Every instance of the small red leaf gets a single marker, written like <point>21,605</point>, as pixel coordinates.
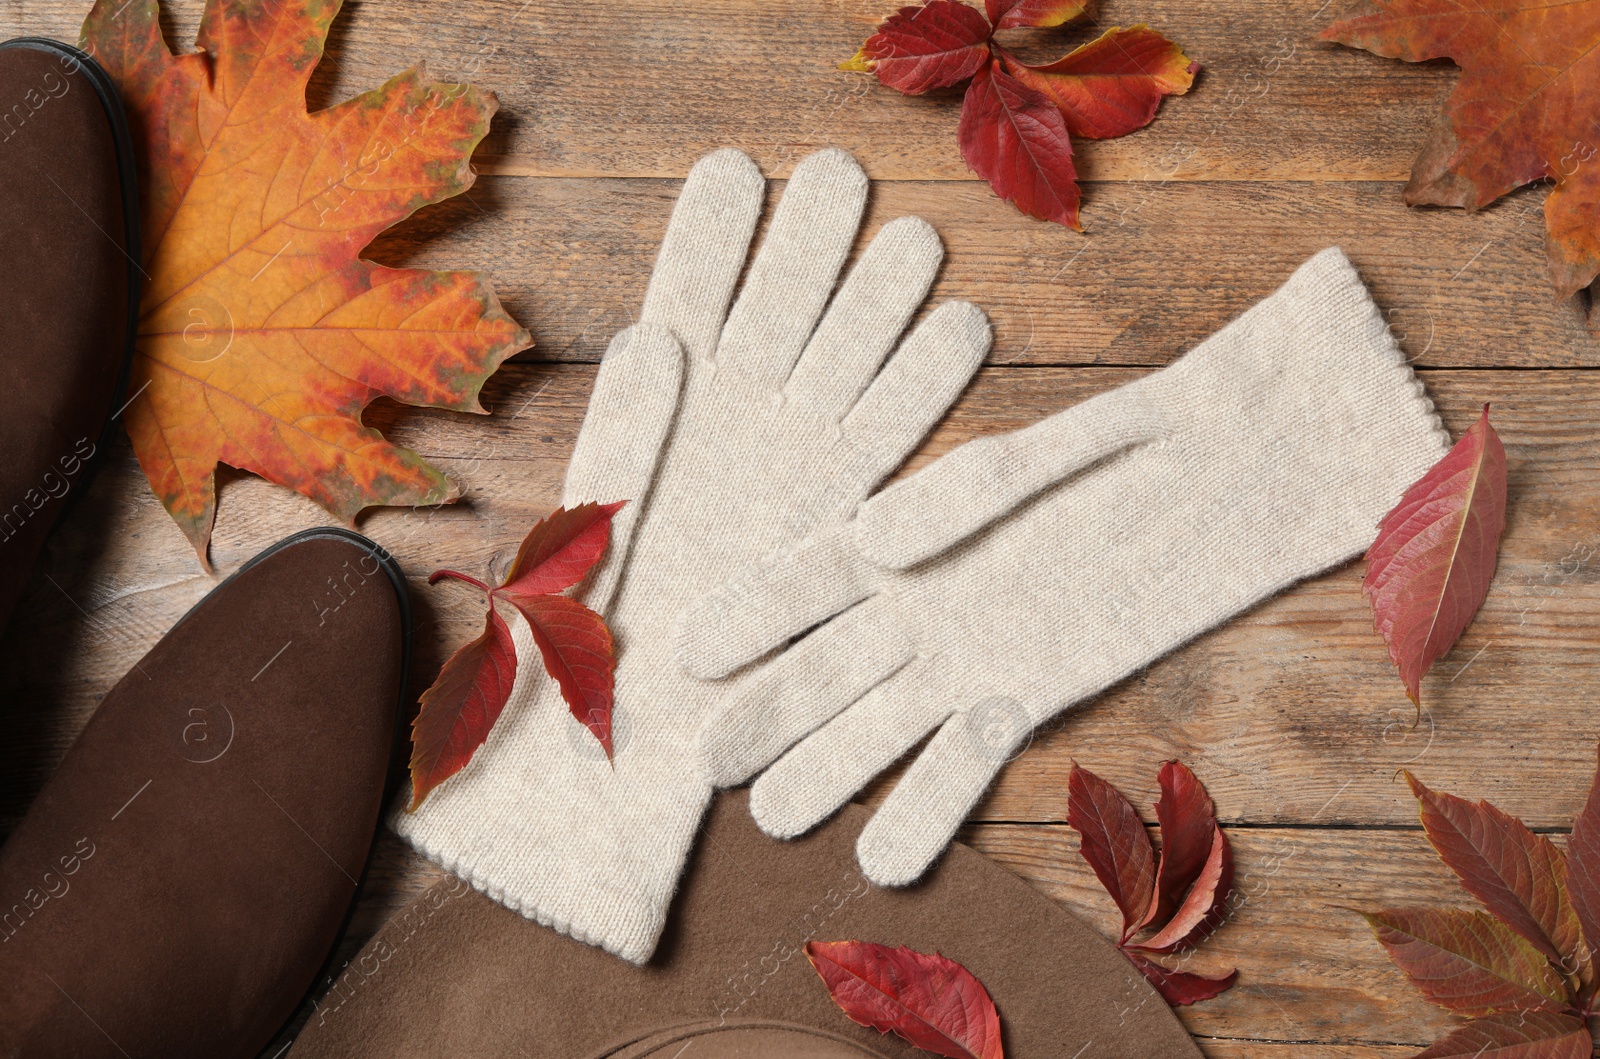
<point>1016,139</point>
<point>918,49</point>
<point>1114,843</point>
<point>560,550</point>
<point>1178,988</point>
<point>1188,819</point>
<point>929,1000</point>
<point>457,713</point>
<point>1468,962</point>
<point>1112,85</point>
<point>1583,865</point>
<point>1428,571</point>
<point>1518,1035</point>
<point>578,654</point>
<point>1518,875</point>
<point>1201,911</point>
<point>1016,14</point>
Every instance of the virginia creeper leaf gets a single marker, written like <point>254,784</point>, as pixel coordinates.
<point>1522,1035</point>
<point>1429,569</point>
<point>1188,819</point>
<point>1201,911</point>
<point>262,333</point>
<point>918,49</point>
<point>930,1001</point>
<point>462,705</point>
<point>559,551</point>
<point>1013,14</point>
<point>1114,842</point>
<point>1519,876</point>
<point>1016,139</point>
<point>1112,85</point>
<point>1468,962</point>
<point>1178,988</point>
<point>1583,866</point>
<point>1524,109</point>
<point>578,654</point>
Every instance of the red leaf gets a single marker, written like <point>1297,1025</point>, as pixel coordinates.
<point>1518,875</point>
<point>1201,911</point>
<point>918,49</point>
<point>558,552</point>
<point>1178,988</point>
<point>1187,818</point>
<point>578,654</point>
<point>1519,1035</point>
<point>1112,85</point>
<point>463,704</point>
<point>931,1001</point>
<point>1583,865</point>
<point>1114,843</point>
<point>1016,139</point>
<point>1015,14</point>
<point>1468,962</point>
<point>1428,571</point>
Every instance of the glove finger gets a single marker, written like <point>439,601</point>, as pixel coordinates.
<point>766,606</point>
<point>921,816</point>
<point>828,768</point>
<point>803,688</point>
<point>868,316</point>
<point>812,231</point>
<point>919,384</point>
<point>704,250</point>
<point>635,398</point>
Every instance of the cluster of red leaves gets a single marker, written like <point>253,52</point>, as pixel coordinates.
<point>461,707</point>
<point>1429,569</point>
<point>1524,970</point>
<point>1018,121</point>
<point>1168,905</point>
<point>932,1002</point>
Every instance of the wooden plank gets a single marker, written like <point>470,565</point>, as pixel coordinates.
<point>1291,714</point>
<point>643,89</point>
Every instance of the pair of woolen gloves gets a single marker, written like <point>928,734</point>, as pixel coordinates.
<point>1014,577</point>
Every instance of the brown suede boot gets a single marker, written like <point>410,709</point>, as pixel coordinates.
<point>185,874</point>
<point>69,287</point>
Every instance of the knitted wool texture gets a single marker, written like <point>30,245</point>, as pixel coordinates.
<point>732,433</point>
<point>1026,572</point>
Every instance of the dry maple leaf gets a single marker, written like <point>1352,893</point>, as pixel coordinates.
<point>461,708</point>
<point>262,333</point>
<point>1524,110</point>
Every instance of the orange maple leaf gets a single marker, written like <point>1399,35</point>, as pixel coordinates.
<point>1525,109</point>
<point>262,333</point>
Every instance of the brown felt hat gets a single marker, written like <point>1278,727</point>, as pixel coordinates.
<point>457,975</point>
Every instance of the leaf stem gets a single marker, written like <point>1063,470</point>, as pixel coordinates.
<point>439,575</point>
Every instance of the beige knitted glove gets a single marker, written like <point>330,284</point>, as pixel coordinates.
<point>1026,572</point>
<point>782,423</point>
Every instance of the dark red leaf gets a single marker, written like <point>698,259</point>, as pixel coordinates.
<point>1428,571</point>
<point>1583,866</point>
<point>1202,910</point>
<point>1112,85</point>
<point>929,1000</point>
<point>1518,1035</point>
<point>559,551</point>
<point>1181,987</point>
<point>463,704</point>
<point>1114,843</point>
<point>1188,819</point>
<point>918,49</point>
<point>1015,14</point>
<point>1017,140</point>
<point>578,654</point>
<point>1518,875</point>
<point>1469,962</point>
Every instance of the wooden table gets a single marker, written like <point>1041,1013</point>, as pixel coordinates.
<point>1291,715</point>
